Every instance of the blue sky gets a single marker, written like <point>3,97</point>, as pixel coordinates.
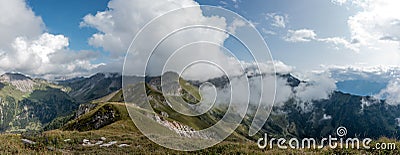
<point>337,39</point>
<point>322,16</point>
<point>307,35</point>
<point>63,17</point>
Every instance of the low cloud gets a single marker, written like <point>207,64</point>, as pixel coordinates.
<point>370,73</point>
<point>317,87</point>
<point>391,93</point>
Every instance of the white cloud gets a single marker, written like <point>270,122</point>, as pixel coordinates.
<point>326,117</point>
<point>379,73</point>
<point>17,19</point>
<point>47,54</point>
<point>270,67</point>
<point>236,3</point>
<point>117,28</point>
<point>318,86</point>
<point>268,32</point>
<point>391,93</point>
<point>26,47</point>
<point>340,41</point>
<point>374,33</point>
<point>377,25</point>
<point>279,21</point>
<point>301,35</point>
<point>237,23</point>
<point>124,18</point>
<point>307,35</point>
<point>368,102</point>
<point>338,2</point>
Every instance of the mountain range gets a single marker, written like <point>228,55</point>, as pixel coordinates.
<point>95,102</point>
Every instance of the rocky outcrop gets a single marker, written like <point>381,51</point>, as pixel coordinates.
<point>84,108</point>
<point>21,82</point>
<point>181,129</point>
<point>96,119</point>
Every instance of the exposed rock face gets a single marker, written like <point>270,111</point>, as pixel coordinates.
<point>154,82</point>
<point>181,129</point>
<point>21,82</point>
<point>84,108</point>
<point>103,116</point>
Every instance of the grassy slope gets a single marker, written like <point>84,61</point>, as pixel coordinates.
<point>14,100</point>
<point>124,131</point>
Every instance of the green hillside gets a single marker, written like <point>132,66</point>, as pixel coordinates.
<point>129,140</point>
<point>29,104</point>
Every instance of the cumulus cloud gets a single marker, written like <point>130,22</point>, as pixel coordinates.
<point>17,20</point>
<point>117,28</point>
<point>123,19</point>
<point>177,52</point>
<point>26,47</point>
<point>376,26</point>
<point>391,93</point>
<point>374,31</point>
<point>301,35</point>
<point>48,54</point>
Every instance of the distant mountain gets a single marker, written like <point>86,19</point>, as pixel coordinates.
<point>361,87</point>
<point>21,82</point>
<point>29,104</point>
<point>363,80</point>
<point>363,116</point>
<point>86,89</point>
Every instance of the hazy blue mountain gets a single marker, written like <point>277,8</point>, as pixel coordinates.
<point>360,87</point>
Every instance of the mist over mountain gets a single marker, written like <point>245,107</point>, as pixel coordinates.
<point>378,81</point>
<point>295,113</point>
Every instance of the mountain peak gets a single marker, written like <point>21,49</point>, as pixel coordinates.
<point>20,81</point>
<point>8,77</point>
<point>107,75</point>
